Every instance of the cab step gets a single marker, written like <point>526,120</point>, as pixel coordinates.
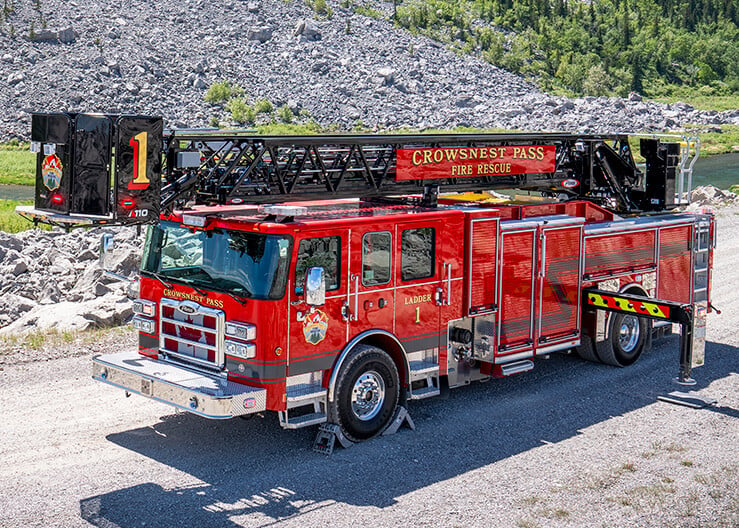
<point>304,420</point>
<point>420,369</point>
<point>302,393</point>
<point>424,378</point>
<point>425,392</point>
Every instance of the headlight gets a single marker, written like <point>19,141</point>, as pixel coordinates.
<point>143,325</point>
<point>242,350</point>
<point>143,307</point>
<point>243,331</point>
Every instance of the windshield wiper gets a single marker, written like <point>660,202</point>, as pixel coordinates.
<point>159,278</point>
<point>191,283</point>
<point>241,300</point>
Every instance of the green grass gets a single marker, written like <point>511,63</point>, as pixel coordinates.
<point>694,98</point>
<point>49,339</point>
<point>719,143</point>
<point>12,222</point>
<point>17,166</point>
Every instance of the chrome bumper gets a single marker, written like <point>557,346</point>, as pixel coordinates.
<point>206,395</point>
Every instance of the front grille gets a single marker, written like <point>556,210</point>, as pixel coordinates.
<point>192,333</point>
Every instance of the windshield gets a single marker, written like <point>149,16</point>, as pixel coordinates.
<point>245,264</point>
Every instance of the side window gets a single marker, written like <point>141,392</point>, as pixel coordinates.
<point>324,252</point>
<point>417,253</point>
<point>376,249</point>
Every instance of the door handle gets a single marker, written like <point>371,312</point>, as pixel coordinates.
<point>543,271</point>
<point>345,311</point>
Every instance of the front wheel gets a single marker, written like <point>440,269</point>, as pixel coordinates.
<point>366,393</point>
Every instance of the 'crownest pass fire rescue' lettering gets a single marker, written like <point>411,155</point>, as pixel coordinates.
<point>433,163</point>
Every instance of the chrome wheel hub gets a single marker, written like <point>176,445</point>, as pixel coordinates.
<point>368,395</point>
<point>628,333</point>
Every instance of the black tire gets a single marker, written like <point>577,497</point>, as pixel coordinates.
<point>366,393</point>
<point>628,338</point>
<point>586,349</point>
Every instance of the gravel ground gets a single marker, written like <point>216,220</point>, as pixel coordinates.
<point>568,444</point>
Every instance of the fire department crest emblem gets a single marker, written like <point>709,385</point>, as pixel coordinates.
<point>314,327</point>
<point>51,172</point>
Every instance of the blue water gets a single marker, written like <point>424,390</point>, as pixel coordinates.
<point>721,171</point>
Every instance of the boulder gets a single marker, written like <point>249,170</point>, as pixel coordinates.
<point>260,33</point>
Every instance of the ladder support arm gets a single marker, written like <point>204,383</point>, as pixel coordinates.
<point>640,306</point>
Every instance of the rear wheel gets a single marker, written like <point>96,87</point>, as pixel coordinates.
<point>628,338</point>
<point>366,393</point>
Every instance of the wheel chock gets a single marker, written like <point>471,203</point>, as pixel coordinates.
<point>401,417</point>
<point>326,438</point>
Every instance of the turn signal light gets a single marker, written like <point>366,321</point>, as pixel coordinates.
<point>243,331</point>
<point>143,325</point>
<point>143,307</point>
<point>245,351</point>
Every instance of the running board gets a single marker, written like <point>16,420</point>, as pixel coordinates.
<point>516,367</point>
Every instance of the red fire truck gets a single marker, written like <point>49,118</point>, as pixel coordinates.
<point>326,279</point>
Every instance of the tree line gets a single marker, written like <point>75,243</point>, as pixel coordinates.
<point>596,47</point>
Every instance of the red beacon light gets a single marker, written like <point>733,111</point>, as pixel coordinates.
<point>128,203</point>
<point>57,198</point>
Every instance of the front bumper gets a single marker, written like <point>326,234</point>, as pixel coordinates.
<point>200,393</point>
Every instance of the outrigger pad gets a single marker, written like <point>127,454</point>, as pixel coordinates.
<point>688,399</point>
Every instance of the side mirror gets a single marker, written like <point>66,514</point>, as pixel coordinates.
<point>315,286</point>
<point>107,263</point>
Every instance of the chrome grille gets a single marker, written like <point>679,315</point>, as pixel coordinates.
<point>191,332</point>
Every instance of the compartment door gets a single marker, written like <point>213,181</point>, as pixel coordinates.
<point>559,284</point>
<point>138,169</point>
<point>517,287</point>
<point>92,153</point>
<point>53,161</point>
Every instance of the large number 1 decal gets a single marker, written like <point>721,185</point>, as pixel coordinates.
<point>140,179</point>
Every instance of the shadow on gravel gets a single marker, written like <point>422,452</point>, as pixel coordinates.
<point>255,473</point>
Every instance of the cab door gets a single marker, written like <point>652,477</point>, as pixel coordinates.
<point>371,302</point>
<point>419,277</point>
<point>318,333</point>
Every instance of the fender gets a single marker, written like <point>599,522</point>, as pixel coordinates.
<point>348,348</point>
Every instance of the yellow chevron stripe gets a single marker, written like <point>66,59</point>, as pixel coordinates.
<point>625,305</point>
<point>656,310</point>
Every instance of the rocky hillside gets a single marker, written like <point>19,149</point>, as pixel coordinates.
<point>160,57</point>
